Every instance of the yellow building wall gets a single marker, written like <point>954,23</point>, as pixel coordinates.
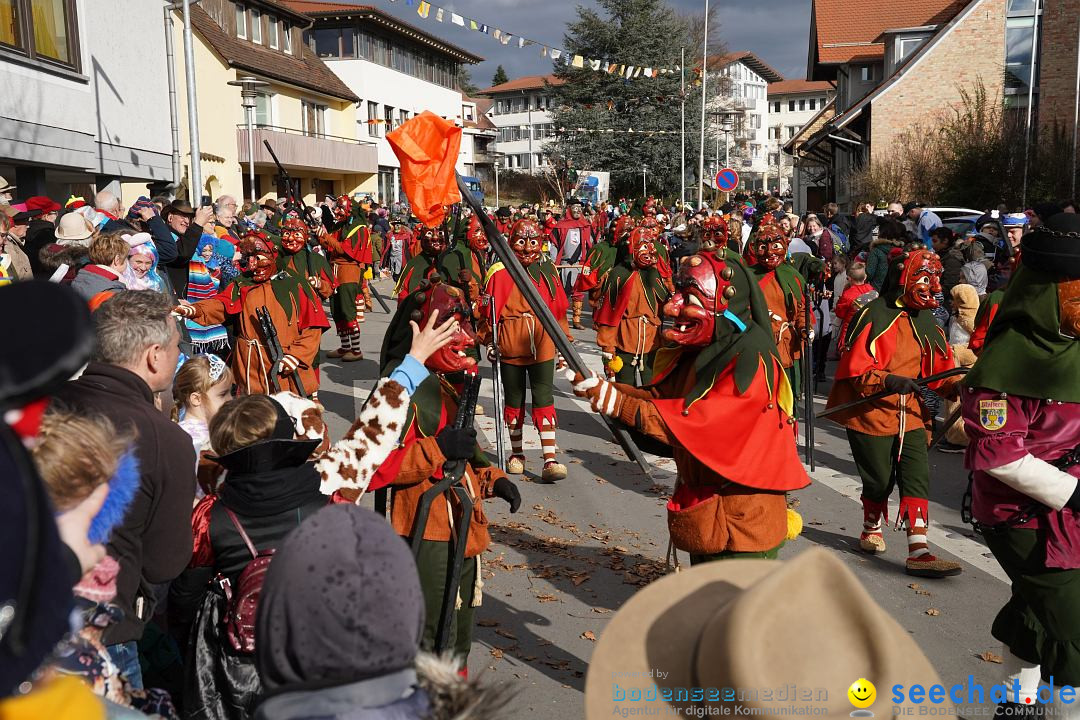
<point>220,113</point>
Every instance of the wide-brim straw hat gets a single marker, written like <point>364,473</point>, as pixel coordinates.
<point>806,625</point>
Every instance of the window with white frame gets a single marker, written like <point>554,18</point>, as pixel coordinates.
<point>314,118</point>
<point>906,47</point>
<point>256,26</point>
<point>264,114</point>
<point>286,35</point>
<point>241,21</point>
<point>373,119</point>
<point>272,32</point>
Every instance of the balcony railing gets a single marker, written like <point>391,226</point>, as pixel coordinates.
<point>312,151</point>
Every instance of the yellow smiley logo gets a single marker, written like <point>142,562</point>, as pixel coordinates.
<point>862,693</point>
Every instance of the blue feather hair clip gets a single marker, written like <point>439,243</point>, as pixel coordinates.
<point>122,488</point>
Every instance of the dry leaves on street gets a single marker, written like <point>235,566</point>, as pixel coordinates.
<point>545,598</point>
<point>989,657</point>
<point>496,653</point>
<point>934,612</point>
<point>506,634</point>
<point>588,635</point>
<point>487,623</point>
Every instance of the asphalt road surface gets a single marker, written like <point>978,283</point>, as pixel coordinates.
<point>578,549</point>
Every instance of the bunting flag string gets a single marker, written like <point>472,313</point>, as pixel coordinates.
<point>430,11</point>
<point>612,131</point>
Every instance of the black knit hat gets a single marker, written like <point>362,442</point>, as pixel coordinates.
<point>341,603</point>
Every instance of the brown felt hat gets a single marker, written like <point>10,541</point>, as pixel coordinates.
<point>798,632</point>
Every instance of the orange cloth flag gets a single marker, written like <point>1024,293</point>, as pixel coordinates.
<point>427,147</point>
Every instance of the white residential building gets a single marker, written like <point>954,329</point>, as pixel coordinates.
<point>85,96</point>
<point>738,89</point>
<point>396,69</point>
<point>792,104</point>
<point>519,110</point>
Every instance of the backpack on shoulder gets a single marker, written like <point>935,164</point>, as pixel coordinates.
<point>243,600</point>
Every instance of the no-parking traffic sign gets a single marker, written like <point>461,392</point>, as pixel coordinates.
<point>727,180</point>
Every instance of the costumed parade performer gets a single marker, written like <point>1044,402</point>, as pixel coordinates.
<point>573,237</point>
<point>891,343</point>
<point>1021,405</point>
<point>525,349</point>
<point>628,318</point>
<point>601,259</point>
<point>783,288</point>
<point>297,258</point>
<point>719,370</point>
<point>347,244</point>
<point>429,440</point>
<point>295,311</point>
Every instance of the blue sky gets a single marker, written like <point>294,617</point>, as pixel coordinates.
<point>775,30</point>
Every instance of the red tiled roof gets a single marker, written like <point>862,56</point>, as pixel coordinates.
<point>845,30</point>
<point>317,8</point>
<point>302,68</point>
<point>528,82</point>
<point>762,68</point>
<point>483,122</point>
<point>791,87</point>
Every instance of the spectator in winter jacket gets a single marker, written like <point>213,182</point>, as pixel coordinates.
<point>848,304</point>
<point>135,357</point>
<point>185,229</point>
<point>108,259</point>
<point>338,627</point>
<point>272,486</point>
<point>975,270</point>
<point>924,221</point>
<point>891,234</point>
<point>831,215</point>
<point>947,246</point>
<point>109,213</point>
<point>862,232</point>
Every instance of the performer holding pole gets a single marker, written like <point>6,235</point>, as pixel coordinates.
<point>719,369</point>
<point>294,309</point>
<point>891,343</point>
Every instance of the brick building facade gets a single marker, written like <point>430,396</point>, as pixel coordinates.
<point>1058,61</point>
<point>959,60</point>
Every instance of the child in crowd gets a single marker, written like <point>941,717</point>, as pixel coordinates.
<point>200,388</point>
<point>141,272</point>
<point>849,302</point>
<point>108,258</point>
<point>965,305</point>
<point>77,457</point>
<point>274,483</point>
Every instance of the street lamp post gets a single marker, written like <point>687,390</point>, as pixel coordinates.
<point>644,191</point>
<point>704,97</point>
<point>248,93</point>
<point>497,156</point>
<point>195,182</point>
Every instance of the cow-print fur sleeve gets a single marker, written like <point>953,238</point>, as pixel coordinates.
<point>351,462</point>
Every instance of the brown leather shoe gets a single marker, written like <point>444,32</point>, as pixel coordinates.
<point>352,356</point>
<point>929,566</point>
